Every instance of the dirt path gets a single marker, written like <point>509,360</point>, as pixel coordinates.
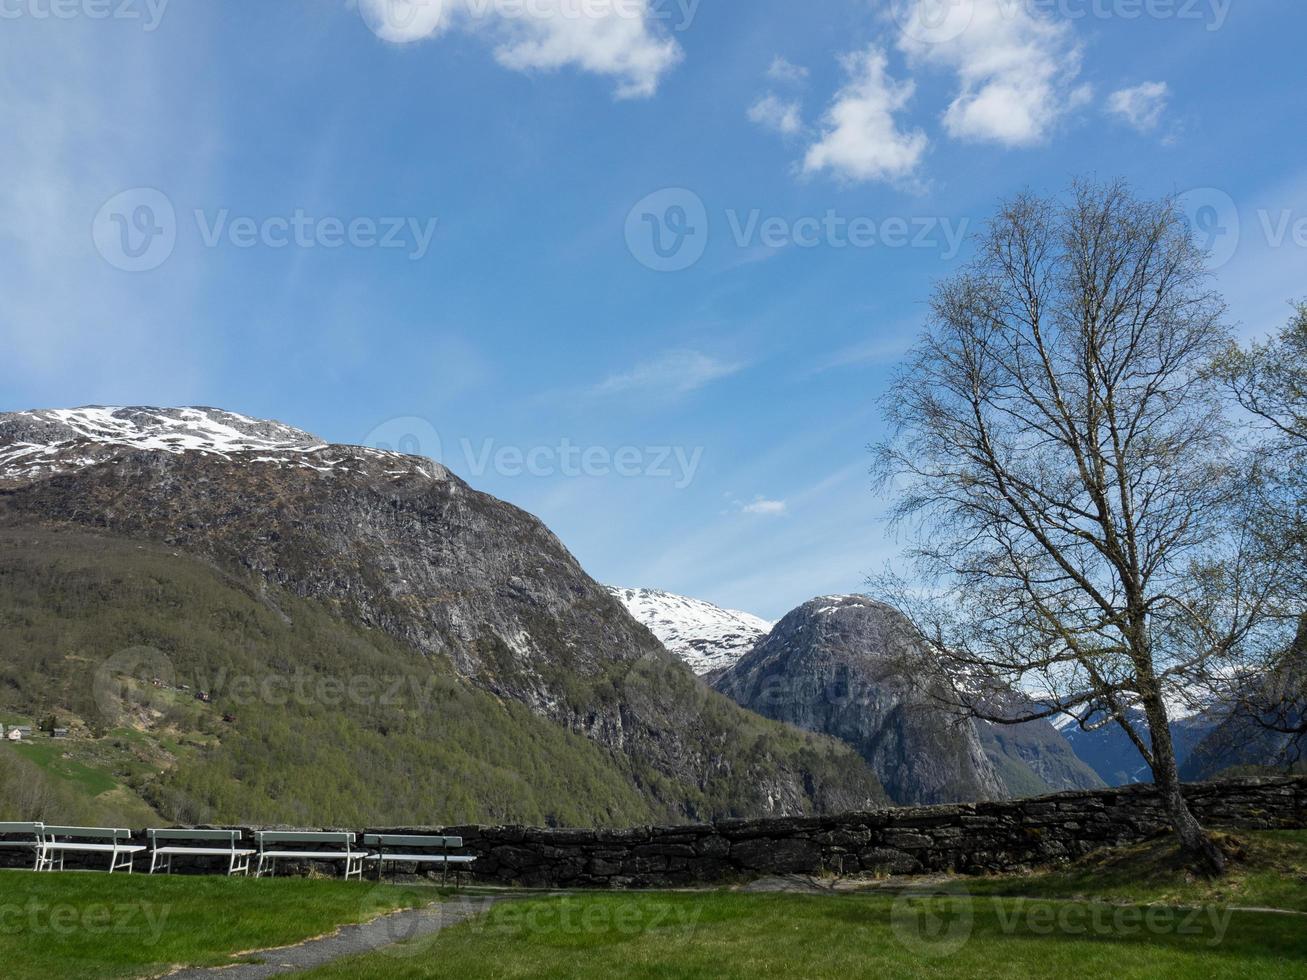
<point>386,933</point>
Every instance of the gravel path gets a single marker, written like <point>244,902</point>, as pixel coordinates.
<point>391,933</point>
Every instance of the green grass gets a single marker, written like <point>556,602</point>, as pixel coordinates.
<point>727,935</point>
<point>50,757</point>
<point>1268,869</point>
<point>100,926</point>
<point>1132,913</point>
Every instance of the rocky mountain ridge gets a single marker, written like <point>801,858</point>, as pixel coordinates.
<point>835,665</point>
<point>707,637</point>
<point>401,545</point>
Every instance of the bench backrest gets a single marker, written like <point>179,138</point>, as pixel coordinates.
<point>227,836</point>
<point>403,840</point>
<point>305,837</point>
<point>88,833</point>
<point>18,829</point>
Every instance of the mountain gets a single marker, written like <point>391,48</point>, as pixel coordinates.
<point>834,666</point>
<point>707,637</point>
<point>1111,754</point>
<point>399,568</point>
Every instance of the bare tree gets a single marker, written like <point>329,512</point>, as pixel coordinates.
<point>1269,382</point>
<point>1059,448</point>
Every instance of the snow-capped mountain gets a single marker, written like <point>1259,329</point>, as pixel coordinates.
<point>707,637</point>
<point>451,585</point>
<point>48,441</point>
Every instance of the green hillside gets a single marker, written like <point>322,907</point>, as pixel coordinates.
<point>331,722</point>
<point>311,719</point>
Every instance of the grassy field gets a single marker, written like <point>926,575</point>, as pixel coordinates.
<point>729,935</point>
<point>1133,913</point>
<point>1269,870</point>
<point>100,926</point>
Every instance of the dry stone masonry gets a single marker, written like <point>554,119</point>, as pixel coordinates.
<point>968,838</point>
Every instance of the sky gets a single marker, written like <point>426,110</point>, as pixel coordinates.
<point>641,267</point>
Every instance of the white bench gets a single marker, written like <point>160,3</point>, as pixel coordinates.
<point>270,855</point>
<point>58,842</point>
<point>28,836</point>
<point>202,843</point>
<point>417,850</point>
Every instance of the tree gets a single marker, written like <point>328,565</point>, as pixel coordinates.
<point>1060,450</point>
<point>1269,382</point>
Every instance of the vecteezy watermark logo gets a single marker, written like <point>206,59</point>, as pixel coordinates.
<point>667,231</point>
<point>136,231</point>
<point>144,921</point>
<point>396,934</point>
<point>409,434</point>
<point>402,20</point>
<point>148,12</point>
<point>122,682</point>
<point>942,21</point>
<point>1214,222</point>
<point>933,21</point>
<point>415,436</point>
<point>933,921</point>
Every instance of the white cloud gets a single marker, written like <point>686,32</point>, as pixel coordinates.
<point>1142,105</point>
<point>1016,68</point>
<point>860,139</point>
<point>764,508</point>
<point>784,71</point>
<point>673,374</point>
<point>782,115</point>
<point>614,38</point>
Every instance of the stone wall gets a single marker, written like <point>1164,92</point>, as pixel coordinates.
<point>969,838</point>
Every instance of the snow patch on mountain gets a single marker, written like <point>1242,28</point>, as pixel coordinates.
<point>706,637</point>
<point>46,442</point>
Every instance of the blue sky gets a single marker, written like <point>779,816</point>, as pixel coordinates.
<point>637,266</point>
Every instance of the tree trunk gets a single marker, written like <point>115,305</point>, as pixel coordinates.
<point>1194,840</point>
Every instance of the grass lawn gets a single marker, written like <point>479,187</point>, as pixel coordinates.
<point>49,755</point>
<point>1132,913</point>
<point>729,935</point>
<point>1163,921</point>
<point>94,926</point>
<point>1268,870</point>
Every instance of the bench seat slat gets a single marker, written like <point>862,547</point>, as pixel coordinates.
<point>212,851</point>
<point>94,848</point>
<point>427,858</point>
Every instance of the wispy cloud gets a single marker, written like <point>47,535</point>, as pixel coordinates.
<point>673,374</point>
<point>1141,106</point>
<point>765,508</point>
<point>785,72</point>
<point>861,140</point>
<point>1016,68</point>
<point>878,350</point>
<point>620,39</point>
<point>775,113</point>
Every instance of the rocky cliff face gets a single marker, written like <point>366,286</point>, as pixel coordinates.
<point>399,544</point>
<point>833,666</point>
<point>830,666</point>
